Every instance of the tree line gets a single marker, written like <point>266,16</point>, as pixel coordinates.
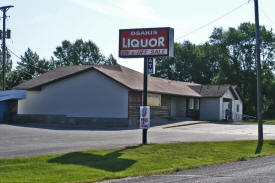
<point>30,65</point>
<point>228,57</point>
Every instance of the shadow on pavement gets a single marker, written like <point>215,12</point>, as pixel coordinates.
<point>68,127</point>
<point>187,124</point>
<point>52,126</point>
<point>109,162</point>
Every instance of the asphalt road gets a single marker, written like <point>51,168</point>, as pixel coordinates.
<point>17,141</point>
<point>260,170</point>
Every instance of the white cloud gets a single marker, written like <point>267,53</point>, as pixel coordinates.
<point>94,6</point>
<point>121,8</point>
<point>137,9</point>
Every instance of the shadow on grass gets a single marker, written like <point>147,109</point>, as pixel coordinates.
<point>259,147</point>
<point>109,162</point>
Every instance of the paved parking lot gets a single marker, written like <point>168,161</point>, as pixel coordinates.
<point>16,141</point>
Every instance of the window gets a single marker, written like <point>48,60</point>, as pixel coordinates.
<point>153,99</point>
<point>197,104</point>
<point>191,103</point>
<point>238,108</point>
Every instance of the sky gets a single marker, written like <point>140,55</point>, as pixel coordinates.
<point>42,25</point>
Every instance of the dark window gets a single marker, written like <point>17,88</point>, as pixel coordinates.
<point>197,104</point>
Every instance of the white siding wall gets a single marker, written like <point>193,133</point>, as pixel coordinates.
<point>235,115</point>
<point>209,109</point>
<point>89,94</point>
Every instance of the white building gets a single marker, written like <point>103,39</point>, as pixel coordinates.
<point>110,96</point>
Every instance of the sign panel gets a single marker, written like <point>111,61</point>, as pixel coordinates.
<point>151,65</point>
<point>146,42</point>
<point>144,117</point>
<point>154,99</point>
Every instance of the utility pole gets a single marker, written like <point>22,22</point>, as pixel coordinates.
<point>259,81</point>
<point>4,9</point>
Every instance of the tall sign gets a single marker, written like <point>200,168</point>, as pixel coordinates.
<point>146,43</point>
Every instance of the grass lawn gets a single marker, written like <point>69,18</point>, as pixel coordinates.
<point>94,165</point>
<point>266,121</point>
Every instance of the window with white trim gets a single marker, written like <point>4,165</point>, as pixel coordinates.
<point>191,103</point>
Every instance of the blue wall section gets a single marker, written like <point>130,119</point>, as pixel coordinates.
<point>6,113</point>
<point>3,109</point>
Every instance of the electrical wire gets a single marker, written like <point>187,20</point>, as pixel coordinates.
<point>211,22</point>
<point>265,14</point>
<point>20,59</point>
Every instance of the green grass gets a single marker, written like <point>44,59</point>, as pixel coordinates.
<point>266,121</point>
<point>94,165</point>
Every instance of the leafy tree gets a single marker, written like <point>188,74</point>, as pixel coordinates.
<point>111,60</point>
<point>80,53</point>
<point>30,66</point>
<point>191,63</point>
<point>241,67</point>
<point>228,58</point>
<point>178,67</point>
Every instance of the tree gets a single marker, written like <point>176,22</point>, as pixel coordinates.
<point>80,53</point>
<point>30,66</point>
<point>191,63</point>
<point>111,60</point>
<point>227,58</point>
<point>178,67</point>
<point>241,67</point>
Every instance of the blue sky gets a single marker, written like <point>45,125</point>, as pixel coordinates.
<point>43,24</point>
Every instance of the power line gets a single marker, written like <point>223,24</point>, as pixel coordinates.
<point>20,59</point>
<point>265,14</point>
<point>13,53</point>
<point>211,22</point>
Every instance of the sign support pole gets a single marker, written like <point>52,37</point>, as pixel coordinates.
<point>145,78</point>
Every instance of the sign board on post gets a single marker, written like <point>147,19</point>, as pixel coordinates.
<point>146,42</point>
<point>151,65</point>
<point>144,117</point>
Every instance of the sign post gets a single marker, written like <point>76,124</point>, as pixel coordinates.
<point>145,81</point>
<point>146,43</point>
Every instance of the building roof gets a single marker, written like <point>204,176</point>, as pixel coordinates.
<point>211,90</point>
<point>130,79</point>
<point>12,94</point>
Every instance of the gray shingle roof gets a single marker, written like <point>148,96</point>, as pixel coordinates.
<point>130,79</point>
<point>211,90</point>
<point>51,76</point>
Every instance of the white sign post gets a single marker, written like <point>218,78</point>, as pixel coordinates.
<point>144,117</point>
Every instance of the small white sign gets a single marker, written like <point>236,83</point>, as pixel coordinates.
<point>151,65</point>
<point>144,117</point>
